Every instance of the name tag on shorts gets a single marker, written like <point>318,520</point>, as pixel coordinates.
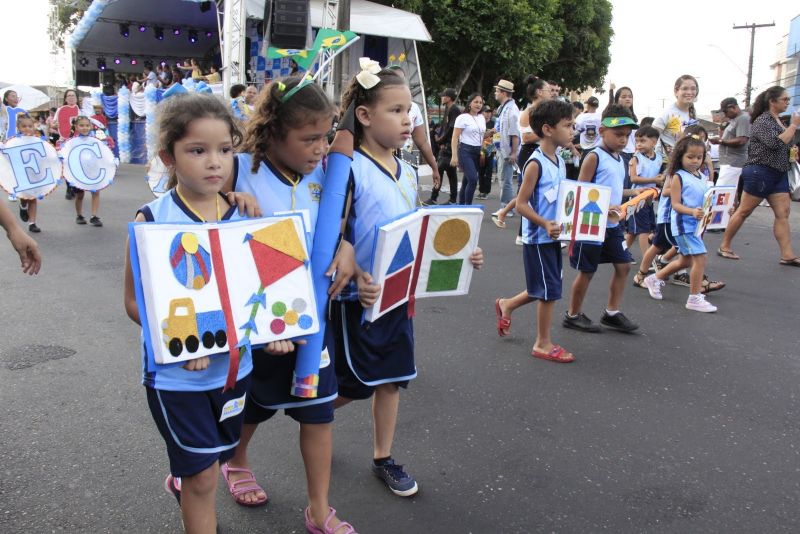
<point>232,408</point>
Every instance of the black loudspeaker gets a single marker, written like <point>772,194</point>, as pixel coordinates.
<point>107,77</point>
<point>290,20</point>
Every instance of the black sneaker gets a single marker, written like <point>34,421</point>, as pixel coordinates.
<point>430,202</point>
<point>681,279</point>
<point>618,322</point>
<point>94,220</point>
<point>33,228</point>
<point>400,482</point>
<point>23,210</point>
<point>450,202</point>
<point>80,219</point>
<point>580,322</point>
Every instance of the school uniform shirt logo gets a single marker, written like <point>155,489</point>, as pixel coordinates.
<point>316,191</point>
<point>232,408</point>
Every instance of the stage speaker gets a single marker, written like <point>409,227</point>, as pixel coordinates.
<point>290,20</point>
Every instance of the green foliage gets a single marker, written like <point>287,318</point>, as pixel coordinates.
<point>476,42</point>
<point>64,15</point>
<point>585,53</point>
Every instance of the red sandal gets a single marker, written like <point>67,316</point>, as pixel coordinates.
<point>556,354</point>
<point>503,323</point>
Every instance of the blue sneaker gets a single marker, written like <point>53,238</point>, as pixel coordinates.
<point>400,482</point>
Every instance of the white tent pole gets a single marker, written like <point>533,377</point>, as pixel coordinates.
<point>233,44</point>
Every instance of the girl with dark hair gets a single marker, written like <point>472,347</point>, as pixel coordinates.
<point>468,134</point>
<point>10,112</point>
<point>377,359</point>
<point>65,114</point>
<point>281,165</point>
<point>687,189</point>
<point>198,137</point>
<point>766,172</point>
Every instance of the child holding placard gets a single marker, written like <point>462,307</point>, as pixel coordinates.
<point>82,127</point>
<point>199,422</point>
<point>604,165</point>
<point>537,204</point>
<point>378,358</point>
<point>280,164</point>
<point>27,208</point>
<point>687,189</point>
<point>645,171</point>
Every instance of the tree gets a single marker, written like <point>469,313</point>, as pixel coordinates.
<point>64,15</point>
<point>476,42</point>
<point>585,53</point>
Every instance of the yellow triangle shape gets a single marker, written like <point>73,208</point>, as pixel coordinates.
<point>282,236</point>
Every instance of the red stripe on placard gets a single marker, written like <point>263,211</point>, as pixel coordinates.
<point>417,264</point>
<point>575,220</point>
<point>224,298</point>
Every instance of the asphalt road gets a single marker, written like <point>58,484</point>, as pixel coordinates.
<point>688,426</point>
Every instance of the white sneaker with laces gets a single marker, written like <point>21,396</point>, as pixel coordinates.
<point>653,286</point>
<point>700,304</point>
<point>519,241</point>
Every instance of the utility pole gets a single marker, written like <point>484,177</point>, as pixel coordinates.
<point>752,27</point>
<point>342,63</point>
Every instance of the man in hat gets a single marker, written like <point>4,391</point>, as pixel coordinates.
<point>506,138</point>
<point>733,142</point>
<point>443,137</point>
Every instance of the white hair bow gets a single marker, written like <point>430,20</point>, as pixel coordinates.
<point>368,78</point>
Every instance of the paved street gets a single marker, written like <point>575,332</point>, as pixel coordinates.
<point>689,426</point>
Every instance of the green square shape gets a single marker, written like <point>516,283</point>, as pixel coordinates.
<point>444,275</point>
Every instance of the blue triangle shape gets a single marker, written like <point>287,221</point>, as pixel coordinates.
<point>403,256</point>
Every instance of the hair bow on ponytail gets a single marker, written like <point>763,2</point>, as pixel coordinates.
<point>368,78</point>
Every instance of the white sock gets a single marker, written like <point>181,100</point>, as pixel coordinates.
<point>612,313</point>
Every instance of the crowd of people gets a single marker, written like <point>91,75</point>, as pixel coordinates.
<point>269,159</point>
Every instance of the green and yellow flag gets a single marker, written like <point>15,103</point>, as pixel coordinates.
<point>304,58</point>
<point>332,39</point>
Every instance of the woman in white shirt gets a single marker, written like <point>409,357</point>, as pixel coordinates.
<point>468,134</point>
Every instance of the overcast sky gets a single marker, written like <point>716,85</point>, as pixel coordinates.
<point>654,43</point>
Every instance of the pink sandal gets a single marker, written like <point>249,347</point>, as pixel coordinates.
<point>245,485</point>
<point>314,529</point>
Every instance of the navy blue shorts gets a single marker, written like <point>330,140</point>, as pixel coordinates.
<point>543,265</point>
<point>762,181</point>
<point>663,238</point>
<point>271,383</point>
<point>311,414</point>
<point>643,221</point>
<point>587,256</point>
<point>371,354</point>
<point>189,422</point>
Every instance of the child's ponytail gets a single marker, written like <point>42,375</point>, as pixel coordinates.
<point>282,105</point>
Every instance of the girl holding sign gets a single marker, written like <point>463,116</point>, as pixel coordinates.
<point>200,423</point>
<point>82,127</point>
<point>27,208</point>
<point>378,358</point>
<point>281,165</point>
<point>687,188</point>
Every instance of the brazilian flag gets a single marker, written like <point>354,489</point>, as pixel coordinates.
<point>304,58</point>
<point>328,39</point>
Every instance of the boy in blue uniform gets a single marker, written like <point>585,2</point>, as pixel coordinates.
<point>604,166</point>
<point>645,172</point>
<point>537,204</point>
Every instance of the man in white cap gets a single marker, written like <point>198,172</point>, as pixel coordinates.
<point>506,138</point>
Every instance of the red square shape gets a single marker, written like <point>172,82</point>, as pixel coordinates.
<point>395,288</point>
